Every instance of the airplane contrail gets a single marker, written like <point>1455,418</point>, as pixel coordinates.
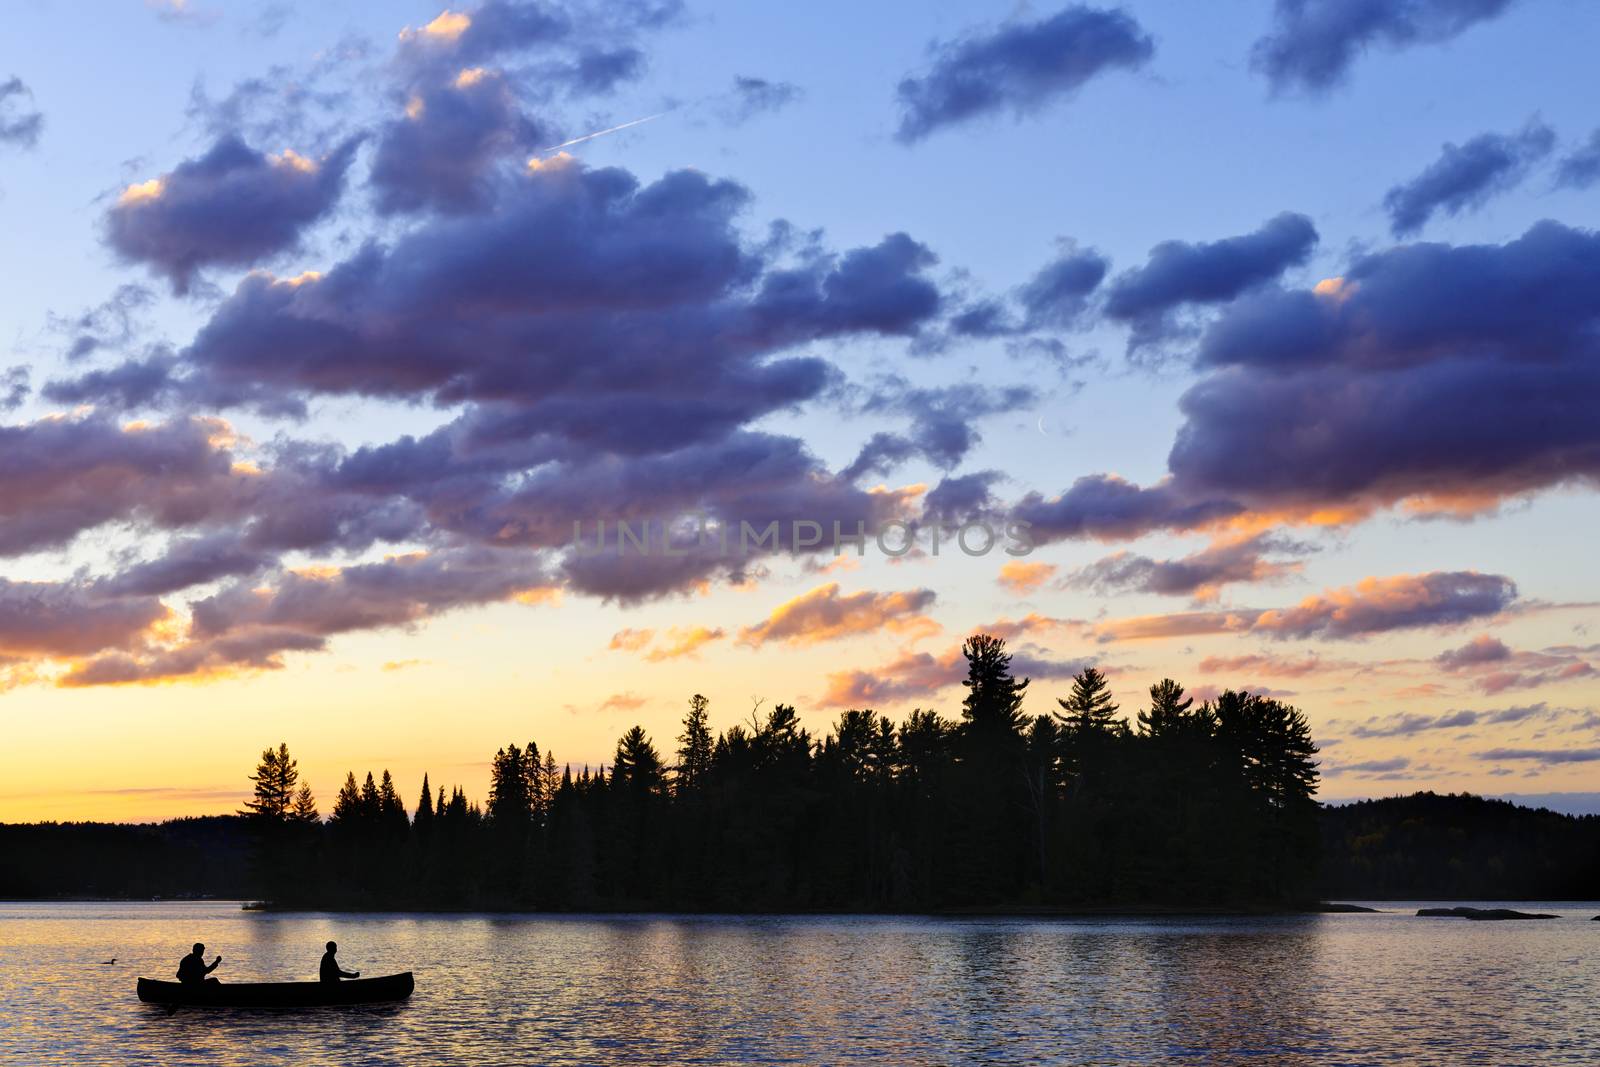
<point>601,133</point>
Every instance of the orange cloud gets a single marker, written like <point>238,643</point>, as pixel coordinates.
<point>1031,623</point>
<point>823,614</point>
<point>910,675</point>
<point>1024,578</point>
<point>630,640</point>
<point>1372,605</point>
<point>683,641</point>
<point>622,702</point>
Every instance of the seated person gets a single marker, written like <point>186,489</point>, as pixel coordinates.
<point>192,969</point>
<point>330,966</point>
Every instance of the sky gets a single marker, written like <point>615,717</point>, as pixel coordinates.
<point>1260,339</point>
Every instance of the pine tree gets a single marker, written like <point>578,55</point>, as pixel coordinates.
<point>391,809</point>
<point>510,799</point>
<point>274,780</point>
<point>371,802</point>
<point>1089,707</point>
<point>694,746</point>
<point>305,806</point>
<point>423,819</point>
<point>550,780</point>
<point>638,766</point>
<point>347,805</point>
<point>1169,710</point>
<point>993,703</point>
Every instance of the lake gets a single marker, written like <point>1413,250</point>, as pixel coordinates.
<point>518,990</point>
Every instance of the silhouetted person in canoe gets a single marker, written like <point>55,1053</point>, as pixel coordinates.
<point>330,966</point>
<point>192,969</point>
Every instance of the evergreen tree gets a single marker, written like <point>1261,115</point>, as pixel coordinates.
<point>274,780</point>
<point>638,766</point>
<point>347,805</point>
<point>1089,707</point>
<point>423,819</point>
<point>993,703</point>
<point>391,809</point>
<point>1169,710</point>
<point>694,746</point>
<point>305,806</point>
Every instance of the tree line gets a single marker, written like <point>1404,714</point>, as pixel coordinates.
<point>1192,804</point>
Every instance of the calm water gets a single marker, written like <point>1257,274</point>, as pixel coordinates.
<point>1336,989</point>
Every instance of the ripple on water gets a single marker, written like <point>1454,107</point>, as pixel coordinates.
<point>497,989</point>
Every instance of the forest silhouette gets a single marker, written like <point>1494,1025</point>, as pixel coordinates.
<point>1188,806</point>
<point>1207,804</point>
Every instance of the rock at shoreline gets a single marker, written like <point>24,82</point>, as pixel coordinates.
<point>1344,909</point>
<point>1481,914</point>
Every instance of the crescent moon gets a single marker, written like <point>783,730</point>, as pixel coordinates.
<point>1042,430</point>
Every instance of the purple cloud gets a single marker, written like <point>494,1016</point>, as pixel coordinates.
<point>1313,43</point>
<point>1467,176</point>
<point>233,206</point>
<point>1021,67</point>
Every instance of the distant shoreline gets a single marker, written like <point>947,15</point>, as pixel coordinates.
<point>1019,911</point>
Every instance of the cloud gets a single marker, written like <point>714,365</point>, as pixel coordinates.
<point>911,676</point>
<point>1361,393</point>
<point>676,642</point>
<point>65,475</point>
<point>1546,756</point>
<point>1313,43</point>
<point>630,640</point>
<point>192,561</point>
<point>824,614</point>
<point>464,84</point>
<point>1021,67</point>
<point>1467,176</point>
<point>623,702</point>
<point>752,96</point>
<point>1373,389</point>
<point>1269,665</point>
<point>1580,168</point>
<point>627,286</point>
<point>1107,507</point>
<point>15,388</point>
<point>1371,606</point>
<point>1032,623</point>
<point>1376,766</point>
<point>1480,650</point>
<point>1377,605</point>
<point>246,626</point>
<point>681,641</point>
<point>1023,578</point>
<point>942,427</point>
<point>1408,724</point>
<point>1200,575</point>
<point>440,153</point>
<point>130,385</point>
<point>1057,297</point>
<point>233,206</point>
<point>1180,274</point>
<point>20,124</point>
<point>960,498</point>
<point>58,620</point>
<point>1498,668</point>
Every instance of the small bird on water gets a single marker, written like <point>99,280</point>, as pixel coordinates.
<point>107,963</point>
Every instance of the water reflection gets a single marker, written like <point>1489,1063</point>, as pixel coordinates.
<point>501,989</point>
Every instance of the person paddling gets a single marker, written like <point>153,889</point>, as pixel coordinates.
<point>192,969</point>
<point>330,966</point>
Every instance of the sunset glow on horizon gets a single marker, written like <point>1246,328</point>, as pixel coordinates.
<point>332,395</point>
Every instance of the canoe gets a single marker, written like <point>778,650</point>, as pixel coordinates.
<point>277,994</point>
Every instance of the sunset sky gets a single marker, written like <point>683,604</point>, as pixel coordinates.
<point>1277,324</point>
